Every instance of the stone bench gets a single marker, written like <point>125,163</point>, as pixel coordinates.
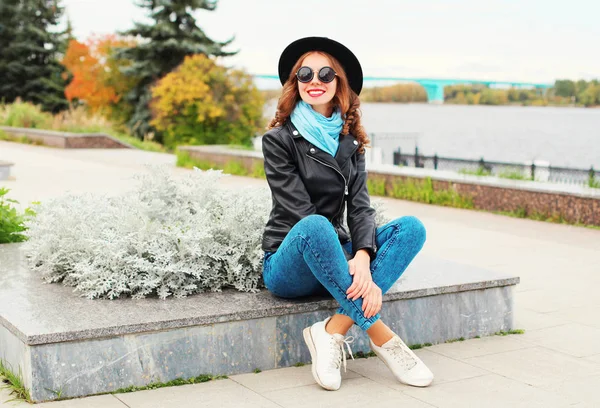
<point>5,169</point>
<point>67,344</point>
<point>66,140</point>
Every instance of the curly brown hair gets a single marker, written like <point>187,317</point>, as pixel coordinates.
<point>345,99</point>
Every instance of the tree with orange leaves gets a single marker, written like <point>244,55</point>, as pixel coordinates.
<point>97,79</point>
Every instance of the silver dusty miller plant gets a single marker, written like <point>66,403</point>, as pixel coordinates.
<point>169,236</point>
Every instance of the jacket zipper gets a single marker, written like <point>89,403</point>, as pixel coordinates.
<point>345,183</point>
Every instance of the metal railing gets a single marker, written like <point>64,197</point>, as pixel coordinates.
<point>535,170</point>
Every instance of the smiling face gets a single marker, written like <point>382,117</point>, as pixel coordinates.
<point>317,93</point>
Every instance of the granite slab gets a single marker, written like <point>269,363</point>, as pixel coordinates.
<point>39,313</point>
<point>5,169</point>
<point>67,139</point>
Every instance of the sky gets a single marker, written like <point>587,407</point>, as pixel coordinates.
<point>502,40</point>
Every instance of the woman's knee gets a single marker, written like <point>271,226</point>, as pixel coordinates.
<point>315,219</point>
<point>317,224</point>
<point>413,228</point>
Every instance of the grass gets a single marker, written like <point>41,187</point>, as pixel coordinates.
<point>235,167</point>
<point>592,182</point>
<point>74,120</point>
<point>506,333</point>
<point>455,340</point>
<point>300,364</point>
<point>481,171</point>
<point>257,370</point>
<point>419,346</point>
<point>557,218</point>
<point>513,175</point>
<point>185,160</point>
<point>19,139</point>
<point>420,191</point>
<point>178,381</point>
<point>15,382</point>
<point>146,145</point>
<point>362,354</point>
<point>376,186</point>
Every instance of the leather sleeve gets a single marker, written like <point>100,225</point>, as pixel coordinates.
<point>361,216</point>
<point>281,171</point>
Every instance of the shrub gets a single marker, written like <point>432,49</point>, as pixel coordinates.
<point>172,237</point>
<point>204,103</point>
<point>79,120</point>
<point>12,222</point>
<point>75,119</point>
<point>24,115</point>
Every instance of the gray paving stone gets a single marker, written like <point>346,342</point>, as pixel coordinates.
<point>588,315</point>
<point>530,320</point>
<point>273,380</point>
<point>594,358</point>
<point>354,393</point>
<point>461,350</point>
<point>547,301</point>
<point>444,369</point>
<point>220,393</point>
<point>575,339</point>
<point>489,391</point>
<point>101,401</point>
<point>584,390</point>
<point>535,366</point>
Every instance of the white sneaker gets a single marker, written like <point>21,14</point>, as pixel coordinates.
<point>406,366</point>
<point>327,353</point>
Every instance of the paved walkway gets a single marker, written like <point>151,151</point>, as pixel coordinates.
<point>556,363</point>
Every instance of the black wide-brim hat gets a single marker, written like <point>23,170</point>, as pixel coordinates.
<point>346,58</point>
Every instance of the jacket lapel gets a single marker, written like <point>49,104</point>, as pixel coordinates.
<point>347,147</point>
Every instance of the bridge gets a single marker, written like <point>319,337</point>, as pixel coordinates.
<point>435,87</point>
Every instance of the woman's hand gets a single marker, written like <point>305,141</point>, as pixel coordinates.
<point>372,301</point>
<point>360,268</point>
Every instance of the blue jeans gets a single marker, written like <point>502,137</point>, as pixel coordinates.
<point>311,261</point>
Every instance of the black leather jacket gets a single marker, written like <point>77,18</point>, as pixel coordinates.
<point>305,180</point>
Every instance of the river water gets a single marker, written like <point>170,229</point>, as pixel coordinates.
<point>567,137</point>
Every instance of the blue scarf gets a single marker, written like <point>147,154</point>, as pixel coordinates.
<point>321,131</point>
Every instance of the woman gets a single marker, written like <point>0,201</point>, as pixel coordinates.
<point>315,164</point>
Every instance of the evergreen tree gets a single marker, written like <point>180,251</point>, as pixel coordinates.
<point>166,42</point>
<point>67,36</point>
<point>9,25</point>
<point>29,61</point>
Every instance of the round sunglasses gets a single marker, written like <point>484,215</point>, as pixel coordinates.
<point>306,74</point>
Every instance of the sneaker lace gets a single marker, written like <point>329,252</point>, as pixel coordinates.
<point>338,346</point>
<point>402,354</point>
